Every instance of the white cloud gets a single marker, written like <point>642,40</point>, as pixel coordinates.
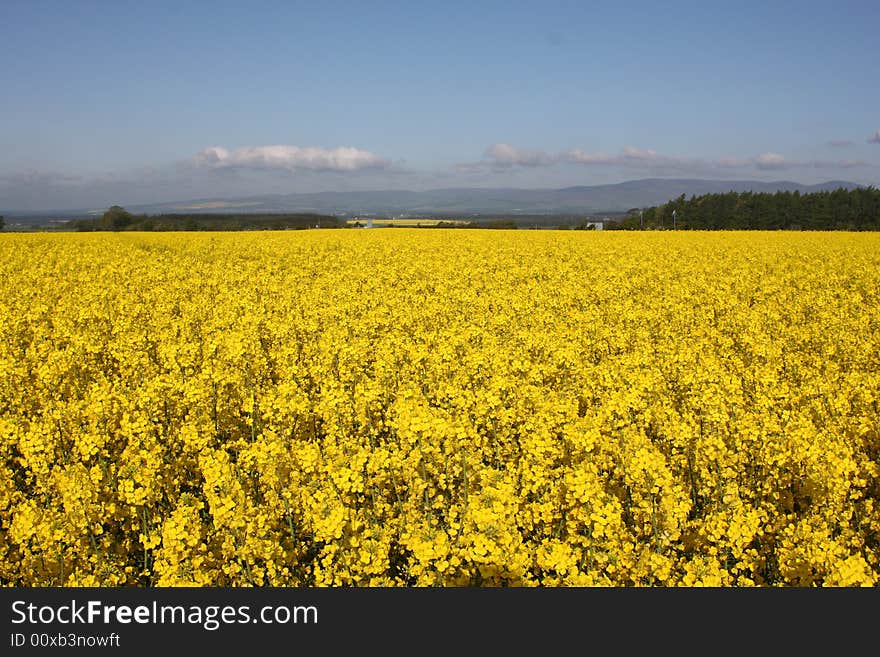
<point>645,158</point>
<point>580,157</point>
<point>875,138</point>
<point>505,155</point>
<point>34,177</point>
<point>640,154</point>
<point>775,161</point>
<point>501,157</point>
<point>732,162</point>
<point>633,157</point>
<point>771,161</point>
<point>289,158</point>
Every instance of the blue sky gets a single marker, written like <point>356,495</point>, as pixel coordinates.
<point>139,102</point>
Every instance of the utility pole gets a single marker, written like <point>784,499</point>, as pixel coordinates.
<point>673,220</point>
<point>641,221</point>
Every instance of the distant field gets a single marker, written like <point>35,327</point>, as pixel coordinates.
<point>463,407</point>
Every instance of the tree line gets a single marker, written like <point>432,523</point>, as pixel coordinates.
<point>842,209</point>
<point>117,218</point>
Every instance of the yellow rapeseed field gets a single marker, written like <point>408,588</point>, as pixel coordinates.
<point>452,408</point>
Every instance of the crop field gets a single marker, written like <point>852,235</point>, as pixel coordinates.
<point>440,408</point>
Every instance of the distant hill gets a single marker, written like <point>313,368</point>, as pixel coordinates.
<point>586,199</point>
<point>579,200</point>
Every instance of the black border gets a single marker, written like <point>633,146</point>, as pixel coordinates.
<point>454,621</point>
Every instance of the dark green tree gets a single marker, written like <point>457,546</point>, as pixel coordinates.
<point>2,222</point>
<point>116,218</point>
<point>840,209</point>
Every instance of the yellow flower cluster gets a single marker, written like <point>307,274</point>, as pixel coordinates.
<point>440,408</point>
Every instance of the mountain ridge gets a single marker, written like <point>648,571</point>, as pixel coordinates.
<point>584,199</point>
<point>576,199</point>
